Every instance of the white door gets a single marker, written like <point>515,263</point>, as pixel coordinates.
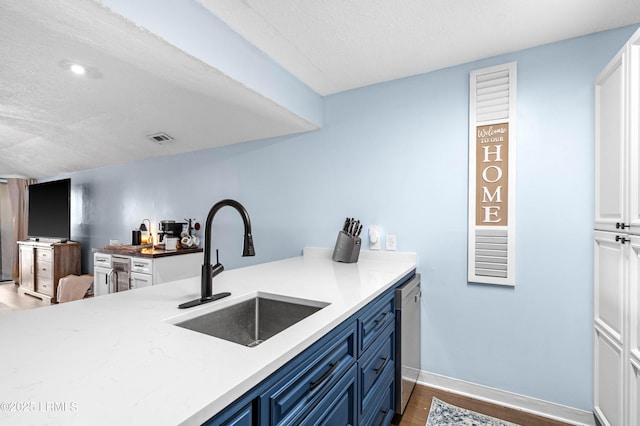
<point>101,277</point>
<point>611,147</point>
<point>610,261</point>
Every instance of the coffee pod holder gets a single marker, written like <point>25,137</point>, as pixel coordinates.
<point>347,248</point>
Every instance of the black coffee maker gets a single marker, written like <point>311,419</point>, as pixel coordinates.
<point>170,228</point>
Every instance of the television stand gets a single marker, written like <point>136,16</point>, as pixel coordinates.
<point>48,240</point>
<point>42,264</point>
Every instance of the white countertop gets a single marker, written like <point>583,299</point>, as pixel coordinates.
<point>118,359</point>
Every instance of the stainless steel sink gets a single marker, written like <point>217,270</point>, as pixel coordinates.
<point>253,321</point>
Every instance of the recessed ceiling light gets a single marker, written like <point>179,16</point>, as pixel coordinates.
<point>77,69</point>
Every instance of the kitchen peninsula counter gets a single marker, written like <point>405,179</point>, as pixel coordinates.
<point>145,251</point>
<point>118,359</point>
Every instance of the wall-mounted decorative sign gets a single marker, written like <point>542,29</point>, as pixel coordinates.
<point>492,175</point>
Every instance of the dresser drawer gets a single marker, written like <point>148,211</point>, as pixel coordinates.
<point>301,390</point>
<point>44,286</point>
<point>377,363</point>
<point>44,270</point>
<point>44,254</point>
<point>374,321</point>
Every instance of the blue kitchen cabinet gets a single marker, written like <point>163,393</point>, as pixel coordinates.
<point>244,417</point>
<point>291,398</point>
<point>235,415</point>
<point>381,406</point>
<point>338,407</point>
<point>345,378</point>
<point>376,368</point>
<point>374,318</point>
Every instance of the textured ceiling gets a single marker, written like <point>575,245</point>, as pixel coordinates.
<point>336,45</point>
<point>53,122</point>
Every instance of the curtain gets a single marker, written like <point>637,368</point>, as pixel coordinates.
<point>19,209</point>
<point>6,232</point>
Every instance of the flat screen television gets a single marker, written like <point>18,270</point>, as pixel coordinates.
<point>50,210</point>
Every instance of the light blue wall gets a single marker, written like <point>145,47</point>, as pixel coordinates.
<point>395,154</point>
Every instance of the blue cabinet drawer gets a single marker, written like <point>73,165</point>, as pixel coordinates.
<point>379,410</point>
<point>374,320</point>
<point>376,363</point>
<point>300,391</point>
<point>241,417</point>
<point>338,407</point>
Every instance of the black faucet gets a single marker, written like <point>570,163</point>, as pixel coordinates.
<point>209,271</point>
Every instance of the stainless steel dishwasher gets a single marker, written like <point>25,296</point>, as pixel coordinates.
<point>407,340</point>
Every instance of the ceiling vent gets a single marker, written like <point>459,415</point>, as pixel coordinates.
<point>160,138</point>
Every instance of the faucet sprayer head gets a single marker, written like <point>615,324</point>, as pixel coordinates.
<point>248,249</point>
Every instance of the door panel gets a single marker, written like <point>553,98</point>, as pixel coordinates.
<point>27,265</point>
<point>609,284</point>
<point>608,380</point>
<point>610,146</point>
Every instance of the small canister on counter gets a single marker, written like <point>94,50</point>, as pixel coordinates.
<point>136,237</point>
<point>170,243</point>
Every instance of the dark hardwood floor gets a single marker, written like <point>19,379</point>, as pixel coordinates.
<point>419,405</point>
<point>12,300</point>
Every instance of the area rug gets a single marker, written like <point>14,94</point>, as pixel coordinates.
<point>443,414</point>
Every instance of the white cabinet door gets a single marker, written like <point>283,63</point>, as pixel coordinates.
<point>633,306</point>
<point>634,393</point>
<point>611,145</point>
<point>617,253</point>
<point>139,280</point>
<point>101,277</point>
<point>27,267</point>
<point>633,131</point>
<point>633,339</point>
<point>610,274</point>
<point>608,382</point>
<point>609,278</point>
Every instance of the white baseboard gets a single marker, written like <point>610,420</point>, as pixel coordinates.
<point>523,403</point>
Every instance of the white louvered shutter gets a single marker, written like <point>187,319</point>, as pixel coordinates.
<point>492,149</point>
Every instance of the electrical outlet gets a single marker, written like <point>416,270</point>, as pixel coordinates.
<point>374,237</point>
<point>391,242</point>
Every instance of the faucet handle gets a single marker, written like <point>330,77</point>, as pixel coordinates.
<point>217,268</point>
